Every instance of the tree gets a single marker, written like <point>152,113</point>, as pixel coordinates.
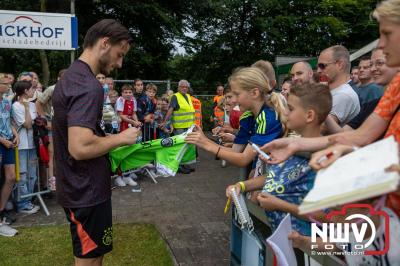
<point>239,32</point>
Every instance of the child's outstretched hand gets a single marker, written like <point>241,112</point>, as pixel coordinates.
<point>326,157</point>
<point>279,150</point>
<point>393,168</point>
<point>227,137</point>
<point>269,202</point>
<point>197,137</point>
<point>215,131</point>
<point>229,189</point>
<point>298,240</point>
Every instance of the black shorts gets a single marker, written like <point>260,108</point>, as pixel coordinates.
<point>91,230</point>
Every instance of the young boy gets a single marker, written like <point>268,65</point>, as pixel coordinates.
<point>159,114</point>
<point>149,102</point>
<point>284,186</point>
<point>113,95</point>
<point>102,79</point>
<point>126,108</point>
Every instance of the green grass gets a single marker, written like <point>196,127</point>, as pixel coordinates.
<point>134,244</point>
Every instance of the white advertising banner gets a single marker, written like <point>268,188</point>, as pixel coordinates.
<point>36,30</point>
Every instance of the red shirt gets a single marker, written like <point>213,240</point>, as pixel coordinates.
<point>128,111</point>
<point>234,118</point>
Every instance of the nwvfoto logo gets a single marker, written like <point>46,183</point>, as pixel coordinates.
<point>339,233</point>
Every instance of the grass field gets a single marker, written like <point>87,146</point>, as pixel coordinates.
<point>134,244</point>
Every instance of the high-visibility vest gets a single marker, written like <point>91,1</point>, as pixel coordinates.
<point>217,98</point>
<point>184,117</point>
<point>218,113</point>
<point>197,111</point>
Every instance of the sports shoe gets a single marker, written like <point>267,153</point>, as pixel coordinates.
<point>29,209</point>
<point>128,181</point>
<point>137,188</point>
<point>7,231</point>
<point>133,176</point>
<point>119,182</point>
<point>6,218</point>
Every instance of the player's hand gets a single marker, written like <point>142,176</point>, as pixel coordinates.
<point>279,150</point>
<point>129,135</point>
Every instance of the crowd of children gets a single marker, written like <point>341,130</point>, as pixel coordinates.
<point>25,137</point>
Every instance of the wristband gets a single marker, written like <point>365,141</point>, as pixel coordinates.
<point>242,186</point>
<point>219,148</point>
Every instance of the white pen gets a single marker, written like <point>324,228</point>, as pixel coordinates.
<point>259,150</point>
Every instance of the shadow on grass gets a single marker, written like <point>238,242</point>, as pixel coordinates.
<point>134,244</point>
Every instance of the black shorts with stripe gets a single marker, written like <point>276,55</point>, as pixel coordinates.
<point>91,230</point>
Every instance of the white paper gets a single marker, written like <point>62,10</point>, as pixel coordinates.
<point>358,170</point>
<point>281,245</point>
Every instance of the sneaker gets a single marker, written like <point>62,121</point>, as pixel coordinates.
<point>119,182</point>
<point>133,176</point>
<point>7,231</point>
<point>51,183</point>
<point>30,209</point>
<point>6,218</point>
<point>128,181</point>
<point>137,188</point>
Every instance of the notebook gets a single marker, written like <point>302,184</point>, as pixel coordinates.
<point>241,213</point>
<point>356,176</point>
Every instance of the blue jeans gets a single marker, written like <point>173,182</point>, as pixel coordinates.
<point>27,176</point>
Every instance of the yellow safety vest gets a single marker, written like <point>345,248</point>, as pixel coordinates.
<point>184,117</point>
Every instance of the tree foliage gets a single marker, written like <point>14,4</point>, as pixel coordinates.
<point>218,35</point>
<point>239,32</point>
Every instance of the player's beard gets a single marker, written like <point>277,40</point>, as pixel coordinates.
<point>104,63</point>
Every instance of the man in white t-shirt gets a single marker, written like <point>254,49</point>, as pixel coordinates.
<point>334,66</point>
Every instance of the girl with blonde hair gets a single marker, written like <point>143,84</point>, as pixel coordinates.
<point>255,97</point>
